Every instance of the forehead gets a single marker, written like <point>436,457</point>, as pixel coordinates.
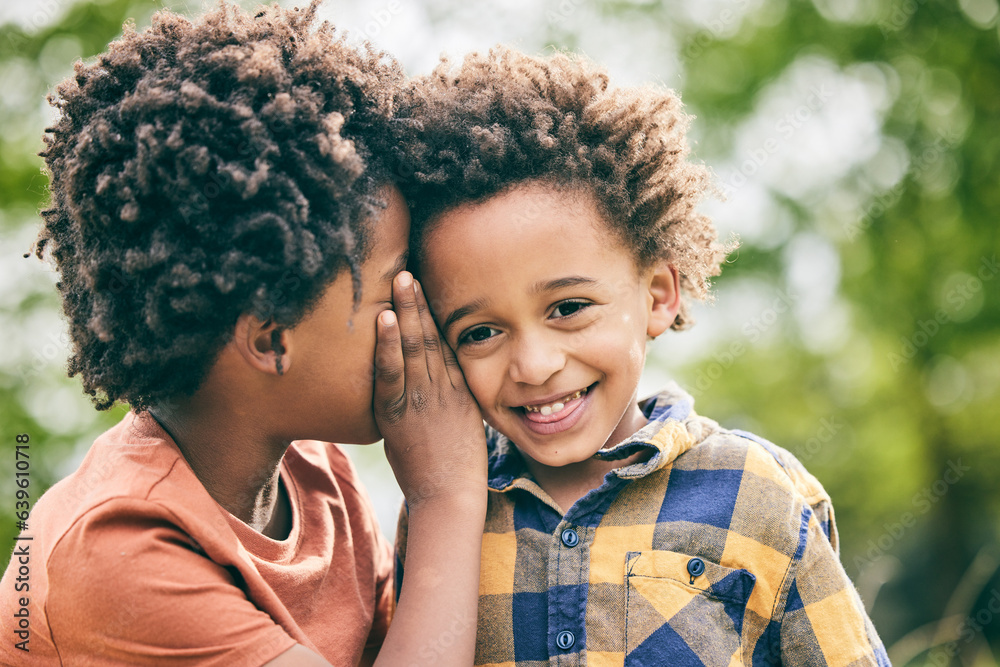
<point>390,229</point>
<point>531,232</point>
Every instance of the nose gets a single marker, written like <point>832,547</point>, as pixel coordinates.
<point>535,358</point>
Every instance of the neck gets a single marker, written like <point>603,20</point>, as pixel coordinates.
<point>236,461</point>
<point>567,484</point>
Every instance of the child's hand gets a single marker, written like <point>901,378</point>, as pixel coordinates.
<point>433,430</point>
<point>436,445</point>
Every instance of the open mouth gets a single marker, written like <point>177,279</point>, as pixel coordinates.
<point>555,407</point>
<point>558,415</point>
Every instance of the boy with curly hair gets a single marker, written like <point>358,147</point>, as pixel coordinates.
<point>230,244</point>
<point>555,232</point>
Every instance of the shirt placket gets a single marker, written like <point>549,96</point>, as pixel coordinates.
<point>568,565</point>
<point>568,576</point>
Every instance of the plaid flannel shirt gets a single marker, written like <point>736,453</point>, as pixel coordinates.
<point>719,549</point>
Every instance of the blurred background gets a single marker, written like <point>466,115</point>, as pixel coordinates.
<point>856,146</point>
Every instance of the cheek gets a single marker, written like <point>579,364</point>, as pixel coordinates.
<point>615,352</point>
<point>361,345</point>
<point>484,379</point>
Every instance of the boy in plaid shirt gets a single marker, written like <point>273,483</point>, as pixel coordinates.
<point>555,233</point>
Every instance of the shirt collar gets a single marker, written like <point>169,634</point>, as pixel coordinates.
<point>665,434</point>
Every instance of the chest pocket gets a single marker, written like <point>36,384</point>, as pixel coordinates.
<point>683,610</point>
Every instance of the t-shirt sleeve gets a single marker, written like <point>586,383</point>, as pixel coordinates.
<point>363,514</point>
<point>385,599</point>
<point>128,586</point>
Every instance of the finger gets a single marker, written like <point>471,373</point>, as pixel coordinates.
<point>411,333</point>
<point>452,367</point>
<point>410,329</point>
<point>447,356</point>
<point>389,368</point>
<point>433,345</point>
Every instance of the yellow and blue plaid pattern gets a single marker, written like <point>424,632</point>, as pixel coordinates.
<point>719,549</point>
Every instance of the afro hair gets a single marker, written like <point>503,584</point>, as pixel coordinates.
<point>503,119</point>
<point>204,169</point>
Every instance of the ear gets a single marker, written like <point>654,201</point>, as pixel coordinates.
<point>253,339</point>
<point>664,298</point>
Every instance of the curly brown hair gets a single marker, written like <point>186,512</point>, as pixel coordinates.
<point>506,118</point>
<point>201,170</point>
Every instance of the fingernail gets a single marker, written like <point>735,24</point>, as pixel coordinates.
<point>416,286</point>
<point>405,279</point>
<point>388,318</point>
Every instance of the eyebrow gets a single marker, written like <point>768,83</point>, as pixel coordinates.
<point>560,283</point>
<point>464,311</point>
<point>397,267</point>
<point>537,288</point>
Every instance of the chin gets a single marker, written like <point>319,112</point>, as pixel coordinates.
<point>367,438</point>
<point>567,457</point>
<point>362,434</point>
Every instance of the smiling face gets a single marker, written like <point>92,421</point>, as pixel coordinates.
<point>549,316</point>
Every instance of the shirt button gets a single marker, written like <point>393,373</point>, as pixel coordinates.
<point>565,639</point>
<point>696,567</point>
<point>570,538</point>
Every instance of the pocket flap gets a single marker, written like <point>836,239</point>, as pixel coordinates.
<point>714,580</point>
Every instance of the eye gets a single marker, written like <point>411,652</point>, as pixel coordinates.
<point>477,335</point>
<point>568,308</point>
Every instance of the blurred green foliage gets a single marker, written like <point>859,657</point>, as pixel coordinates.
<point>887,385</point>
<point>35,397</point>
<point>899,415</point>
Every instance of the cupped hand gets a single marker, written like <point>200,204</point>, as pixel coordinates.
<point>431,424</point>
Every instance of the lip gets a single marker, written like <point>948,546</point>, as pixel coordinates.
<point>561,421</point>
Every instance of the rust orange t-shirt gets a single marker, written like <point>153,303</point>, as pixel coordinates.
<point>130,561</point>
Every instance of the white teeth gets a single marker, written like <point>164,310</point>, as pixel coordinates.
<point>557,406</point>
